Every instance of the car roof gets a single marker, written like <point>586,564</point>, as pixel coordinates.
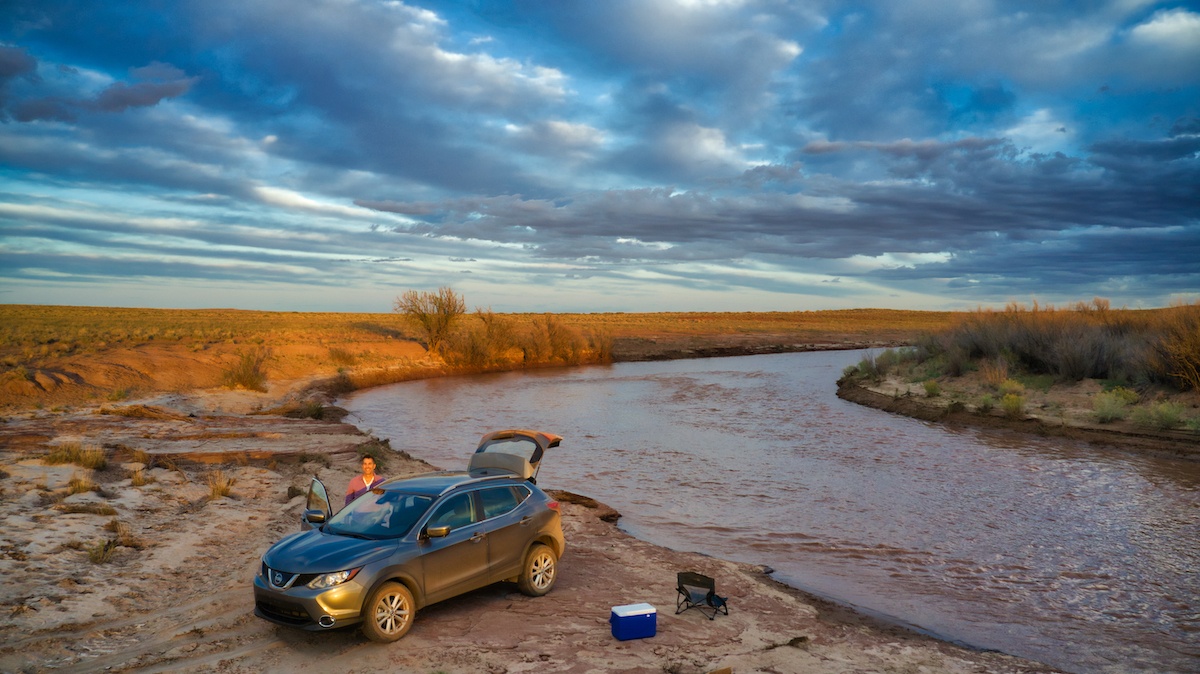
<point>440,482</point>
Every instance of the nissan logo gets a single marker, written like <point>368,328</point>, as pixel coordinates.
<point>277,578</point>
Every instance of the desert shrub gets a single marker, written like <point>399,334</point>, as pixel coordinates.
<point>1083,341</point>
<point>124,533</point>
<point>89,456</point>
<point>293,491</point>
<point>1193,424</point>
<point>341,356</point>
<point>139,478</point>
<point>994,371</point>
<point>986,404</point>
<point>1012,387</point>
<point>117,395</point>
<point>887,361</point>
<point>309,409</point>
<point>1108,407</point>
<point>471,347</point>
<point>219,484</point>
<point>1129,396</point>
<point>1013,405</point>
<point>1178,349</point>
<point>249,371</point>
<point>932,388</point>
<point>874,367</point>
<point>79,484</point>
<point>1162,416</point>
<point>601,344</point>
<point>102,553</point>
<point>549,340</point>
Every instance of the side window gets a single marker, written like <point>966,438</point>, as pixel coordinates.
<point>455,512</point>
<point>497,501</point>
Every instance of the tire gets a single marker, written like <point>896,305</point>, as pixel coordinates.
<point>388,613</point>
<point>539,571</point>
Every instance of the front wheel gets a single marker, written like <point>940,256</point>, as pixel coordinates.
<point>540,571</point>
<point>388,613</point>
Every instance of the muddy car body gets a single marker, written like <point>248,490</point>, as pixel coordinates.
<point>413,541</point>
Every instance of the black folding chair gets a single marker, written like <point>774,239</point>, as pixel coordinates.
<point>699,592</point>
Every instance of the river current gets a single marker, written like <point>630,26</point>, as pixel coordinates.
<point>1084,558</point>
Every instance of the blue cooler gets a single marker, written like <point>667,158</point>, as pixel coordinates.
<point>633,621</point>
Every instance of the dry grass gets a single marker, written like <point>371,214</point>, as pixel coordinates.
<point>102,553</point>
<point>124,534</point>
<point>79,484</point>
<point>86,509</point>
<point>87,456</point>
<point>219,484</point>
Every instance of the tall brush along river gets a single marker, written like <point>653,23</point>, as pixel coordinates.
<point>1083,558</point>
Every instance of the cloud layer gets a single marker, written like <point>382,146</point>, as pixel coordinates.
<point>581,156</point>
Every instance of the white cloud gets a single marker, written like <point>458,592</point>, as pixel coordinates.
<point>1175,29</point>
<point>1040,131</point>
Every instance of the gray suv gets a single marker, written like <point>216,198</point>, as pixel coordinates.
<point>413,541</point>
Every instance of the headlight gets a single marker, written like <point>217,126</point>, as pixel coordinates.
<point>330,579</point>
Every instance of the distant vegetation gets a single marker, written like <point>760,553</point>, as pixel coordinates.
<point>1128,351</point>
<point>244,349</point>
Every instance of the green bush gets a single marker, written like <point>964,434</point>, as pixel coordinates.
<point>1128,396</point>
<point>1109,406</point>
<point>1161,416</point>
<point>932,388</point>
<point>1012,387</point>
<point>986,404</point>
<point>1013,405</point>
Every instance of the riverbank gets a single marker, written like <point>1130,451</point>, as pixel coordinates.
<point>173,593</point>
<point>1064,411</point>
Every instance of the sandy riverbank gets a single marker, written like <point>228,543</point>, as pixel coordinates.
<point>175,595</point>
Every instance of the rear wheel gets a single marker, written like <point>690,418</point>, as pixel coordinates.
<point>388,613</point>
<point>540,571</point>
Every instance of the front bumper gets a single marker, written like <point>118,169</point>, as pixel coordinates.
<point>310,609</point>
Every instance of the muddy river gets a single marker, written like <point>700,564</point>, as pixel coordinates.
<point>1083,558</point>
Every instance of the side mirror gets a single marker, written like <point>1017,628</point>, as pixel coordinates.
<point>313,516</point>
<point>437,532</point>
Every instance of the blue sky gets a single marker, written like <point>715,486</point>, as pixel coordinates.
<point>625,155</point>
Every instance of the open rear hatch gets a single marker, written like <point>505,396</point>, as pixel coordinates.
<point>512,451</point>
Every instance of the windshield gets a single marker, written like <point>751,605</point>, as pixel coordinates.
<point>379,514</point>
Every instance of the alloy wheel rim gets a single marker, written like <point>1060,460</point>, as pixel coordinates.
<point>543,570</point>
<point>391,614</point>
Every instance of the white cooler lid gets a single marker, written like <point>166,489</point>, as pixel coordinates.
<point>633,609</point>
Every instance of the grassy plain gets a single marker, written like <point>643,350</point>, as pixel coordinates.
<point>60,355</point>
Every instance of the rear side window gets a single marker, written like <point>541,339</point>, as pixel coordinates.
<point>497,501</point>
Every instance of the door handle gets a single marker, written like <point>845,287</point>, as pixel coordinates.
<point>526,520</point>
<point>477,538</point>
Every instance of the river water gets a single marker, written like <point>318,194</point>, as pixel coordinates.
<point>1083,558</point>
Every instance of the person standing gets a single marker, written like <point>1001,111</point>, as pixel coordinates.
<point>362,484</point>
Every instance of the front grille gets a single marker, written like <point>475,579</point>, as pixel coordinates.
<point>282,580</point>
<point>283,611</point>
